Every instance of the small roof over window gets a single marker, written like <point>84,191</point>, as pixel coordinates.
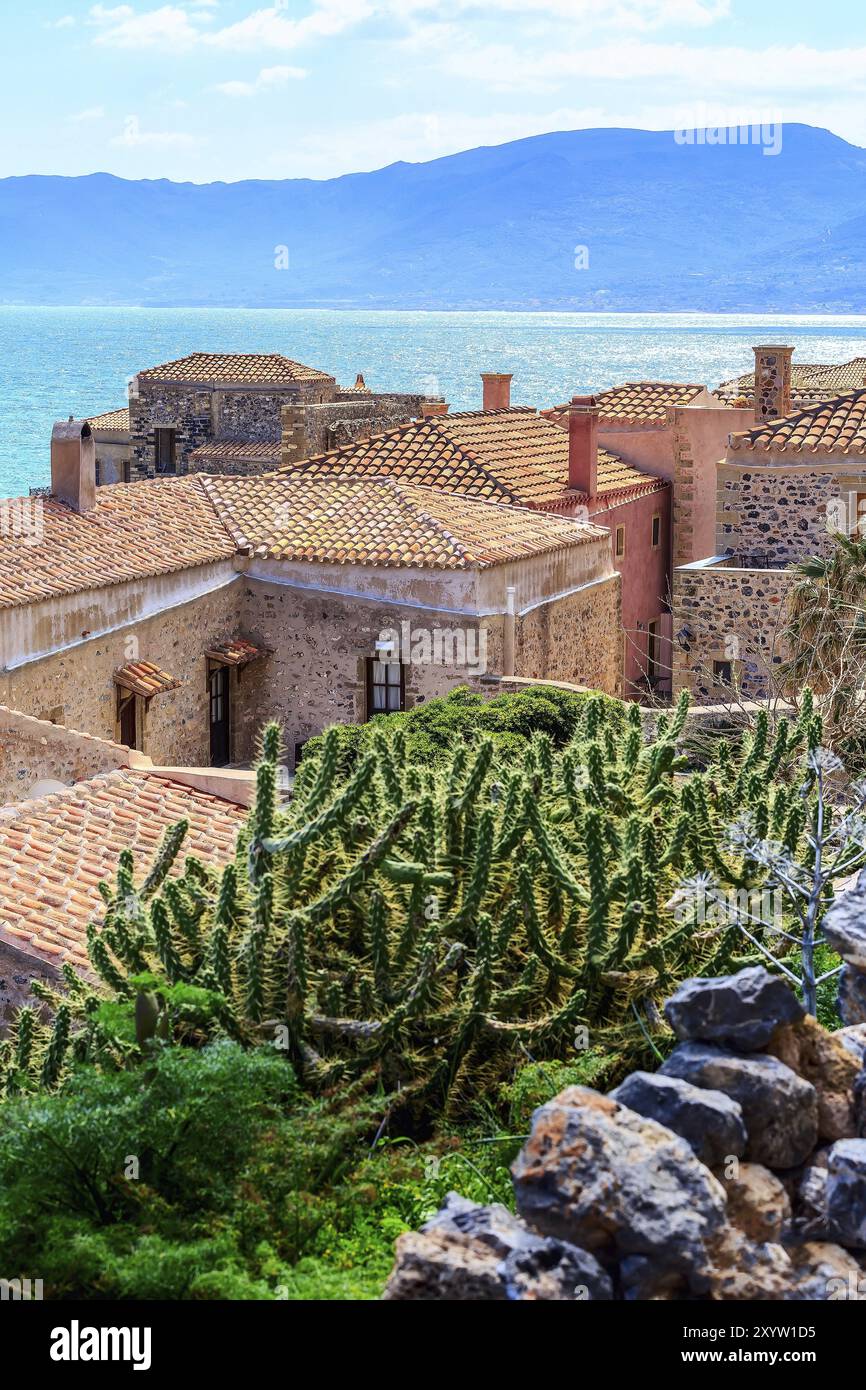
<point>143,678</point>
<point>237,652</point>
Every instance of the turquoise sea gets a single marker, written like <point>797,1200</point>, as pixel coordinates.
<point>56,362</point>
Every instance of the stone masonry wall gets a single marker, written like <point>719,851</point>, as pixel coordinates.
<point>33,751</point>
<point>779,512</point>
<point>314,429</point>
<point>725,614</point>
<point>76,687</point>
<point>576,639</point>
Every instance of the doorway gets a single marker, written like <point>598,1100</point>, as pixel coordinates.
<point>220,716</point>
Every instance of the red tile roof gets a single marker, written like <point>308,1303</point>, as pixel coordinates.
<point>114,421</point>
<point>236,652</point>
<point>810,382</point>
<point>227,451</point>
<point>635,402</point>
<point>831,426</point>
<point>135,530</point>
<point>242,368</point>
<point>514,456</point>
<point>143,678</point>
<point>380,521</point>
<point>55,851</point>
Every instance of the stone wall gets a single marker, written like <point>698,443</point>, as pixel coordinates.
<point>726,614</point>
<point>34,752</point>
<point>76,687</point>
<point>314,429</point>
<point>18,969</point>
<point>575,639</point>
<point>778,512</point>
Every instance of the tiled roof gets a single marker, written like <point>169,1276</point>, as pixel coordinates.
<point>635,402</point>
<point>380,521</point>
<point>249,368</point>
<point>143,678</point>
<point>114,420</point>
<point>267,454</point>
<point>56,850</point>
<point>236,652</point>
<point>512,456</point>
<point>835,426</point>
<point>810,381</point>
<point>134,531</point>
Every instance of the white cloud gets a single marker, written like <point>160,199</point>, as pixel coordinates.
<point>133,137</point>
<point>66,21</point>
<point>167,27</point>
<point>90,113</point>
<point>270,28</point>
<point>267,80</point>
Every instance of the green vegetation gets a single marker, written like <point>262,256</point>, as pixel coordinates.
<point>361,1010</point>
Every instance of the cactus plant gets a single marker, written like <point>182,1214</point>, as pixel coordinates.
<point>426,928</point>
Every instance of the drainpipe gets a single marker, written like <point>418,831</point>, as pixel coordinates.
<point>509,632</point>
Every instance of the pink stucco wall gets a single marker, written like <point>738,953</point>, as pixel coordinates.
<point>645,575</point>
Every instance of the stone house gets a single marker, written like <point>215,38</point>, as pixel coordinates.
<point>518,457</point>
<point>176,617</point>
<point>221,412</point>
<point>784,487</point>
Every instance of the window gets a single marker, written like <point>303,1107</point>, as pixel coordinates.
<point>98,472</point>
<point>166,461</point>
<point>652,651</point>
<point>723,672</point>
<point>620,542</point>
<point>127,470</point>
<point>386,687</point>
<point>657,531</point>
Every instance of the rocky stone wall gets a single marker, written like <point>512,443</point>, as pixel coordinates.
<point>780,513</point>
<point>34,752</point>
<point>308,430</point>
<point>736,1172</point>
<point>577,638</point>
<point>722,614</point>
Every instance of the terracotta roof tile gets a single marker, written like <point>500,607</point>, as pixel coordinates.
<point>79,831</point>
<point>831,426</point>
<point>514,456</point>
<point>381,521</point>
<point>143,678</point>
<point>247,368</point>
<point>239,451</point>
<point>135,530</point>
<point>236,652</point>
<point>810,382</point>
<point>635,402</point>
<point>114,420</point>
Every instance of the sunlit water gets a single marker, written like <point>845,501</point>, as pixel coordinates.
<point>57,362</point>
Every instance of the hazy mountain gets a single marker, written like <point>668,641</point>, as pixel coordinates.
<point>665,226</point>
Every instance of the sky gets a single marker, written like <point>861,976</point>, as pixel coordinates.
<point>205,90</point>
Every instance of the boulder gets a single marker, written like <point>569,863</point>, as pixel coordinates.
<point>827,1272</point>
<point>474,1253</point>
<point>846,1192</point>
<point>851,997</point>
<point>809,1206</point>
<point>758,1204</point>
<point>845,926</point>
<point>598,1175</point>
<point>854,1038</point>
<point>709,1121</point>
<point>741,1269</point>
<point>780,1108</point>
<point>740,1011</point>
<point>822,1059</point>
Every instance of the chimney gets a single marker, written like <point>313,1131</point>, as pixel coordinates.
<point>497,390</point>
<point>772,382</point>
<point>433,407</point>
<point>583,445</point>
<point>73,464</point>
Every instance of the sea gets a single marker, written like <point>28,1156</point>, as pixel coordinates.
<point>56,362</point>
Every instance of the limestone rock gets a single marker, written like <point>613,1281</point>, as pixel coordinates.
<point>851,997</point>
<point>823,1059</point>
<point>828,1272</point>
<point>474,1253</point>
<point>709,1121</point>
<point>854,1038</point>
<point>758,1204</point>
<point>846,1192</point>
<point>740,1011</point>
<point>741,1269</point>
<point>810,1205</point>
<point>845,925</point>
<point>598,1175</point>
<point>780,1108</point>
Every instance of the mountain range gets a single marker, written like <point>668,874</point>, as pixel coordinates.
<point>576,220</point>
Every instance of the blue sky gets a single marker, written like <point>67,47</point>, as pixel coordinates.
<point>229,89</point>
